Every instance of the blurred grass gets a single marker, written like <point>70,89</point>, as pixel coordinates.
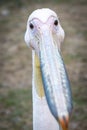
<point>20,3</point>
<point>16,109</point>
<point>80,104</point>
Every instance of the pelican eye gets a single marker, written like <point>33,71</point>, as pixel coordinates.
<point>56,22</point>
<point>31,26</point>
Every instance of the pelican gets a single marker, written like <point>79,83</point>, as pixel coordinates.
<point>52,98</point>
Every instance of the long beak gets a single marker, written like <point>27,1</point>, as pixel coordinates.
<point>55,80</point>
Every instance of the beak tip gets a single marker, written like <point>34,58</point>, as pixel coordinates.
<point>64,121</point>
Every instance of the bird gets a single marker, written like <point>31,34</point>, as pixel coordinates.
<point>51,90</point>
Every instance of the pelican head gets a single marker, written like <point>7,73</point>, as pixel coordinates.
<point>44,35</point>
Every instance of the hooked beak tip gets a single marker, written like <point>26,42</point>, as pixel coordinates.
<point>64,122</point>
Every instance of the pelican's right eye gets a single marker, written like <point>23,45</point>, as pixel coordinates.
<point>31,26</point>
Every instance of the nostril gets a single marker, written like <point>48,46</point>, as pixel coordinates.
<point>39,28</point>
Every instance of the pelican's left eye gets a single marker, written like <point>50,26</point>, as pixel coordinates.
<point>56,22</point>
<point>31,26</point>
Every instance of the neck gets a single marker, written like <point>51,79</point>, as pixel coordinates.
<point>42,117</point>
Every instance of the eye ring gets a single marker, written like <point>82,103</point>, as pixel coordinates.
<point>31,26</point>
<point>56,22</point>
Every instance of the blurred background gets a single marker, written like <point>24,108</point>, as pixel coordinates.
<point>16,60</point>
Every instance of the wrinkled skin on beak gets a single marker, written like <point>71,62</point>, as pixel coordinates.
<point>55,79</point>
<point>54,76</point>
